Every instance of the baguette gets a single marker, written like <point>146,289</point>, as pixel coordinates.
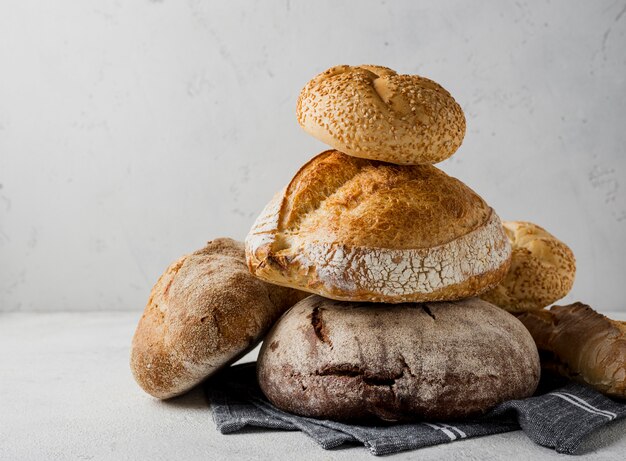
<point>579,343</point>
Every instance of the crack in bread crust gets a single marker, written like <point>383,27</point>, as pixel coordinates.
<point>325,171</point>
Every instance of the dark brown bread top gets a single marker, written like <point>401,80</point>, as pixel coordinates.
<point>204,312</point>
<point>581,344</point>
<point>355,361</point>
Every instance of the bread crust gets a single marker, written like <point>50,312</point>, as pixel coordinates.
<point>435,361</point>
<point>204,312</point>
<point>579,343</point>
<point>542,269</point>
<point>372,112</point>
<point>360,230</point>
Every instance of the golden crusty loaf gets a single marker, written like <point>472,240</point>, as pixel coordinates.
<point>352,361</point>
<point>581,344</point>
<point>542,269</point>
<point>203,313</point>
<point>360,230</point>
<point>372,112</point>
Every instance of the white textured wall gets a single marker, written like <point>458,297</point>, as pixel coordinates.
<point>133,131</point>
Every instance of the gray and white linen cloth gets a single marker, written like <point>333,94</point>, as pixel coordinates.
<point>559,418</point>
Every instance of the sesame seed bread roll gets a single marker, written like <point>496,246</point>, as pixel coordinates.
<point>358,361</point>
<point>204,312</point>
<point>372,112</point>
<point>542,269</point>
<point>359,230</point>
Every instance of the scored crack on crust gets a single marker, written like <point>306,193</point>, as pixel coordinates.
<point>372,112</point>
<point>357,361</point>
<point>360,230</point>
<point>542,269</point>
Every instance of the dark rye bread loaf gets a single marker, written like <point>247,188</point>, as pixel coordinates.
<point>358,361</point>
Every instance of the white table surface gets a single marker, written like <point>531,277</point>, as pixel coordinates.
<point>66,392</point>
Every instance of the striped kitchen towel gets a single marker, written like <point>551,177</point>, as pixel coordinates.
<point>560,418</point>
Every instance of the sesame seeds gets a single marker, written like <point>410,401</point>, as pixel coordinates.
<point>372,112</point>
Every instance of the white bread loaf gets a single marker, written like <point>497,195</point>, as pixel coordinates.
<point>360,230</point>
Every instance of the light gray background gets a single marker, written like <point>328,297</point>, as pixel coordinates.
<point>133,131</point>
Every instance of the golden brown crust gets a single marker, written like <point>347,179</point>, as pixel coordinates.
<point>362,230</point>
<point>542,269</point>
<point>203,312</point>
<point>384,206</point>
<point>353,361</point>
<point>581,344</point>
<point>372,112</point>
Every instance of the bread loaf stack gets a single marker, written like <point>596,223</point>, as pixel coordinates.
<point>396,252</point>
<point>397,255</point>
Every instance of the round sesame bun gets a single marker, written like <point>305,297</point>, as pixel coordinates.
<point>360,230</point>
<point>542,269</point>
<point>372,112</point>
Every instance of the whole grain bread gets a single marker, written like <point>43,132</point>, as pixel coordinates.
<point>357,361</point>
<point>204,312</point>
<point>361,230</point>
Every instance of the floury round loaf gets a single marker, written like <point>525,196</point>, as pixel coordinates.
<point>373,112</point>
<point>360,230</point>
<point>204,312</point>
<point>357,361</point>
